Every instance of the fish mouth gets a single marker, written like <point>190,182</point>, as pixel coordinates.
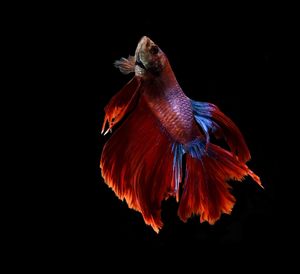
<point>139,63</point>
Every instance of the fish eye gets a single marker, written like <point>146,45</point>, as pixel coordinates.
<point>154,49</point>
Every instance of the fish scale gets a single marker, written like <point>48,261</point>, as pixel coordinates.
<point>174,111</point>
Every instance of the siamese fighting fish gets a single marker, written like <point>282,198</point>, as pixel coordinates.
<point>143,159</point>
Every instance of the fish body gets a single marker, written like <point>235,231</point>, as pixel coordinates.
<point>173,110</point>
<point>142,161</point>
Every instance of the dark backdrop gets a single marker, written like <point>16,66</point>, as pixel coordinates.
<point>234,61</point>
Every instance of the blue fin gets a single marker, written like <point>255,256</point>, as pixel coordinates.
<point>203,115</point>
<point>196,148</point>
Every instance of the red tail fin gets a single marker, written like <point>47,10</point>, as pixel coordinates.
<point>205,190</point>
<point>121,103</point>
<point>136,163</point>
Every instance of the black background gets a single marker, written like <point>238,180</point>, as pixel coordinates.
<point>235,60</point>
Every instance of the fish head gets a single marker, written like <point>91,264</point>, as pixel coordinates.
<point>150,60</point>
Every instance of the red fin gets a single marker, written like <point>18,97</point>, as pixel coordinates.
<point>212,119</point>
<point>232,134</point>
<point>206,192</point>
<point>121,103</point>
<point>136,163</point>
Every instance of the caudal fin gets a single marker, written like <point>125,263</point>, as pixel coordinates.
<point>206,191</point>
<point>212,120</point>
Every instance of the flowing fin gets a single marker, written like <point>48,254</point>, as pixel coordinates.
<point>137,163</point>
<point>126,65</point>
<point>121,103</point>
<point>206,192</point>
<point>212,120</point>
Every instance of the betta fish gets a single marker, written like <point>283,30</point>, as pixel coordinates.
<point>143,159</point>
